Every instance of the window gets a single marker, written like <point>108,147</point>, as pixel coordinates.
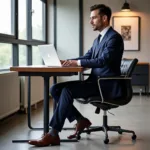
<point>22,19</point>
<point>38,15</point>
<point>36,57</point>
<point>5,56</point>
<point>7,17</point>
<point>22,55</point>
<point>23,25</point>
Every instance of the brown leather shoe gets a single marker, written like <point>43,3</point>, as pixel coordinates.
<point>80,126</point>
<point>46,140</point>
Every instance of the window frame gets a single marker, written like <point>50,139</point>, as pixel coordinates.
<point>3,35</point>
<point>15,41</point>
<point>43,21</point>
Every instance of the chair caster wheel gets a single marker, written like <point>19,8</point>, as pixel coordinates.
<point>119,132</point>
<point>134,137</point>
<point>106,141</point>
<point>78,137</point>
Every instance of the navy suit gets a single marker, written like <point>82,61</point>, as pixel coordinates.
<point>104,58</point>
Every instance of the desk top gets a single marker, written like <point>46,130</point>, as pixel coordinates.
<point>142,63</point>
<point>43,68</point>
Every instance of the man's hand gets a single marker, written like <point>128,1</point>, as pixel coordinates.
<point>62,61</point>
<point>67,63</point>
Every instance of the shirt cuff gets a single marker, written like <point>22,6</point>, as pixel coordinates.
<point>78,62</point>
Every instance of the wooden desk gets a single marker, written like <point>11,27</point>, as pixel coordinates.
<point>46,73</point>
<point>43,68</point>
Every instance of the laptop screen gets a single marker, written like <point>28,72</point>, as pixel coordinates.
<point>49,55</point>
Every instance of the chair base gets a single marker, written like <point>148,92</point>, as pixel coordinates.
<point>105,128</point>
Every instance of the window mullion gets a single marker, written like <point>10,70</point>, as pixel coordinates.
<point>29,20</point>
<point>15,55</point>
<point>43,20</point>
<point>29,55</point>
<point>15,23</point>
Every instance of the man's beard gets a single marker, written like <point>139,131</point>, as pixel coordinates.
<point>97,28</point>
<point>94,28</point>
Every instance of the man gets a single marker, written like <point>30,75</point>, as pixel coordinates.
<point>104,58</point>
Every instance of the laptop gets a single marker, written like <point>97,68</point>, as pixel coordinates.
<point>49,55</point>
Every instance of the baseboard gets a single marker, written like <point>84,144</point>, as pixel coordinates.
<point>143,93</point>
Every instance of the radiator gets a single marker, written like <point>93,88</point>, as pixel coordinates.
<point>9,93</point>
<point>14,92</point>
<point>37,91</point>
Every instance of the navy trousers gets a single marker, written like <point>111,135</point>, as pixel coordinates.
<point>64,94</point>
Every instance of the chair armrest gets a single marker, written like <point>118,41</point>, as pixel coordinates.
<point>115,78</point>
<point>109,78</point>
<point>85,74</point>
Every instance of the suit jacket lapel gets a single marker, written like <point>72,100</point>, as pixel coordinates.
<point>99,46</point>
<point>96,47</point>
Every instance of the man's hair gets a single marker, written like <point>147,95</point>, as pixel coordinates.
<point>103,10</point>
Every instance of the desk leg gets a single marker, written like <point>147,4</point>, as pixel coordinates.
<point>29,106</point>
<point>46,104</point>
<point>46,111</point>
<point>29,103</point>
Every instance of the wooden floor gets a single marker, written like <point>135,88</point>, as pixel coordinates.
<point>134,116</point>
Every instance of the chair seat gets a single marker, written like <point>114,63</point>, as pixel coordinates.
<point>104,106</point>
<point>108,104</point>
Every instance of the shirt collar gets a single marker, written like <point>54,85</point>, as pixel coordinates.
<point>103,32</point>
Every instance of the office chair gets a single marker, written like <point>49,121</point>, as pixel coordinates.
<point>127,67</point>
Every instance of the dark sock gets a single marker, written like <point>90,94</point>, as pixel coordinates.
<point>53,132</point>
<point>80,118</point>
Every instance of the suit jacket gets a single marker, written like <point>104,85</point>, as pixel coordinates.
<point>105,59</point>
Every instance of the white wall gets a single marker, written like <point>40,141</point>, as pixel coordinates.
<point>67,30</point>
<point>50,21</point>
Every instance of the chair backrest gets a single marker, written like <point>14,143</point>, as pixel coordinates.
<point>127,66</point>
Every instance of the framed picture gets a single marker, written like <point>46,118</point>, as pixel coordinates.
<point>129,28</point>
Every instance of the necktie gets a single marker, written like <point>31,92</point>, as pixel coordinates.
<point>97,46</point>
<point>99,38</point>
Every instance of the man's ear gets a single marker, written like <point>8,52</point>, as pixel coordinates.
<point>105,18</point>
